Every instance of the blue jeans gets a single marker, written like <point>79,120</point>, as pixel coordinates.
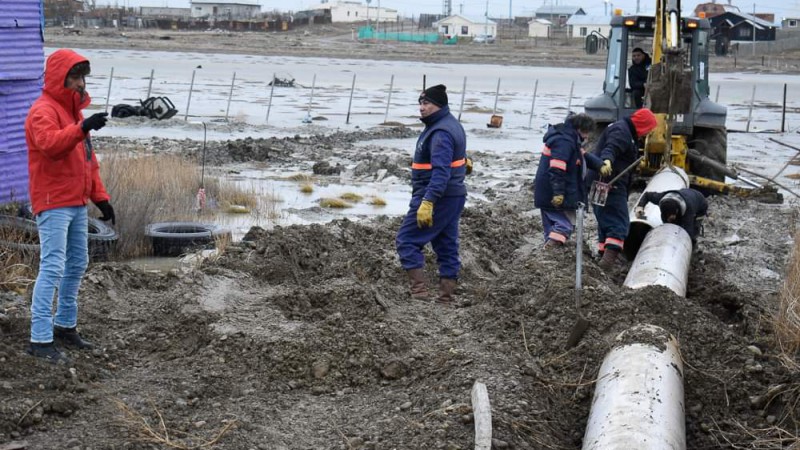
<point>443,236</point>
<point>64,242</point>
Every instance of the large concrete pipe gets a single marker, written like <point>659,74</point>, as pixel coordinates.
<point>667,179</point>
<point>638,400</point>
<point>663,260</point>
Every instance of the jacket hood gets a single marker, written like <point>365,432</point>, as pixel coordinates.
<point>55,74</point>
<point>559,131</point>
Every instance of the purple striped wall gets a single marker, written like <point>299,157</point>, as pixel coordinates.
<point>21,69</point>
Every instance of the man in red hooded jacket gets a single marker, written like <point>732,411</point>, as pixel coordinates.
<point>64,177</point>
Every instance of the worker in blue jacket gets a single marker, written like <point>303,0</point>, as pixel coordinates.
<point>559,183</point>
<point>686,208</point>
<point>618,148</point>
<point>437,198</point>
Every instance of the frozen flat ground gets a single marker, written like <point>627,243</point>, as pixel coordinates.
<point>513,145</point>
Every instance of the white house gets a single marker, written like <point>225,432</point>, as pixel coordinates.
<point>581,26</point>
<point>343,11</point>
<point>215,9</point>
<point>539,28</point>
<point>459,25</point>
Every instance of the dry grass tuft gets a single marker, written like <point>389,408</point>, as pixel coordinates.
<point>334,203</point>
<point>155,430</point>
<point>300,177</point>
<point>787,321</point>
<point>377,201</point>
<point>307,188</point>
<point>229,195</point>
<point>351,197</point>
<point>17,270</point>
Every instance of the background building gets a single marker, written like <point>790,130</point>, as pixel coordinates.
<point>539,28</point>
<point>458,25</point>
<point>350,11</point>
<point>225,10</point>
<point>580,26</point>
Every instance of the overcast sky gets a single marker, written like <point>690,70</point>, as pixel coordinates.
<point>500,8</point>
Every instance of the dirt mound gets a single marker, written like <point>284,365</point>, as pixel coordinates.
<point>303,337</point>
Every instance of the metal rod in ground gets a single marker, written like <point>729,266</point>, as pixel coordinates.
<point>750,114</point>
<point>783,111</point>
<point>788,162</point>
<point>716,97</point>
<point>533,102</point>
<point>496,95</point>
<point>388,99</point>
<point>271,91</point>
<point>310,99</point>
<point>108,96</point>
<point>424,80</point>
<point>230,96</point>
<point>768,179</point>
<point>189,101</point>
<point>569,102</point>
<point>463,94</point>
<point>150,84</point>
<point>350,103</point>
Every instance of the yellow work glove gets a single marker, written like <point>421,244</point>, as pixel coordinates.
<point>425,214</point>
<point>469,166</point>
<point>557,200</point>
<point>606,169</point>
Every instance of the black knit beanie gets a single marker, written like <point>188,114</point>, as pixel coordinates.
<point>436,95</point>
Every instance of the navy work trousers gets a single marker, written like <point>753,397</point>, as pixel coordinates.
<point>443,236</point>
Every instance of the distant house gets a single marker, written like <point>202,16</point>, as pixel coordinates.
<point>713,9</point>
<point>458,25</point>
<point>220,10</point>
<point>581,26</point>
<point>165,12</point>
<point>21,68</point>
<point>790,23</point>
<point>539,28</point>
<point>351,11</point>
<point>737,26</point>
<point>558,14</point>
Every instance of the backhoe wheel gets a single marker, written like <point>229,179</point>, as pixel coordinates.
<point>713,144</point>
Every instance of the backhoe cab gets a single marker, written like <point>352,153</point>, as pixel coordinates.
<point>691,132</point>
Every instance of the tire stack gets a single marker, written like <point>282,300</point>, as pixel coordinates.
<point>22,235</point>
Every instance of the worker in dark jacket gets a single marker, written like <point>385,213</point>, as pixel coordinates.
<point>437,198</point>
<point>618,148</point>
<point>559,184</point>
<point>637,74</point>
<point>685,207</point>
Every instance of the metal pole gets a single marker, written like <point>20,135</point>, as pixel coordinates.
<point>230,96</point>
<point>150,85</point>
<point>463,94</point>
<point>496,94</point>
<point>271,91</point>
<point>189,102</point>
<point>533,103</point>
<point>750,114</point>
<point>783,114</point>
<point>716,97</point>
<point>310,100</point>
<point>388,100</point>
<point>569,102</point>
<point>108,96</point>
<point>350,103</point>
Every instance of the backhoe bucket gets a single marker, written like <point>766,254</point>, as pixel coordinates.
<point>670,80</point>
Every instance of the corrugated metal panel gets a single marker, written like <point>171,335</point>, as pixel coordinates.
<point>21,47</point>
<point>16,98</point>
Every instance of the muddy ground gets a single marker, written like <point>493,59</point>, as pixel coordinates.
<point>303,337</point>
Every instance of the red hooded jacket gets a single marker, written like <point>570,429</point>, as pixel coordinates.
<point>62,172</point>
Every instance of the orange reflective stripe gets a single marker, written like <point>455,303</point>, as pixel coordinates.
<point>613,241</point>
<point>557,237</point>
<point>429,166</point>
<point>558,164</point>
<point>601,246</point>
<point>546,151</point>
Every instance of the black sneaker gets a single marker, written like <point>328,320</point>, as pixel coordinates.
<point>70,338</point>
<point>48,352</point>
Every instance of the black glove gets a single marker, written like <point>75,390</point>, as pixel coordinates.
<point>95,122</point>
<point>107,210</point>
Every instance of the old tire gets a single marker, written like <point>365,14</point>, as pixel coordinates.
<point>176,238</point>
<point>102,239</point>
<point>713,144</point>
<point>19,234</point>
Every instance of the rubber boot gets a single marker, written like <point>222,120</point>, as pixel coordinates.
<point>48,352</point>
<point>553,245</point>
<point>447,288</point>
<point>610,258</point>
<point>69,337</point>
<point>416,278</point>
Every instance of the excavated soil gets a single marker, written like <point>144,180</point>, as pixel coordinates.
<point>303,337</point>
